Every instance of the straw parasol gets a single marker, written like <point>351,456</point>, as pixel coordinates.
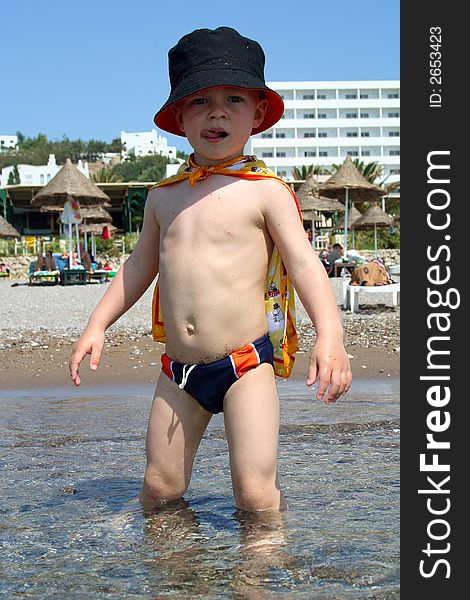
<point>349,180</point>
<point>69,182</point>
<point>96,228</point>
<point>7,230</point>
<point>373,217</point>
<point>311,202</point>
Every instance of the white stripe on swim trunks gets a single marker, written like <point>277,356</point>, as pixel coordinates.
<point>256,352</point>
<point>171,369</point>
<point>233,366</point>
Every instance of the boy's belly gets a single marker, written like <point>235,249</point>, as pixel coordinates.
<point>205,322</point>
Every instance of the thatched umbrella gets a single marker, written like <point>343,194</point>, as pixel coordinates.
<point>373,217</point>
<point>7,230</point>
<point>353,216</point>
<point>69,182</point>
<point>349,179</point>
<point>95,217</point>
<point>310,201</point>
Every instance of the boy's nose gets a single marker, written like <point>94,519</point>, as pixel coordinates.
<point>217,111</point>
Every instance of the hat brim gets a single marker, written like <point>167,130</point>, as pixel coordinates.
<point>198,82</point>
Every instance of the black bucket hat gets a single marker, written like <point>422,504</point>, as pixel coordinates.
<point>207,58</point>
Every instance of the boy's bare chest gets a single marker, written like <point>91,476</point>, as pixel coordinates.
<point>208,213</point>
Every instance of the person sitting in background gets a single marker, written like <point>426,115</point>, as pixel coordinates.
<point>107,266</point>
<point>4,270</point>
<point>336,251</point>
<point>85,258</point>
<point>323,254</point>
<point>47,263</point>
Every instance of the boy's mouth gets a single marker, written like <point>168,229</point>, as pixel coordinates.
<point>216,134</point>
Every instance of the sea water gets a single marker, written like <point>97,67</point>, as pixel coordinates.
<point>71,465</point>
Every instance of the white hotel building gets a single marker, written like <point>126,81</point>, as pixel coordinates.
<point>324,121</point>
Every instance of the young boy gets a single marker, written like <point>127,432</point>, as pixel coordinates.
<point>209,233</point>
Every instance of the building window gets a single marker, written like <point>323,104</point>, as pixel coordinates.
<point>353,153</point>
<point>322,134</point>
<point>41,179</point>
<point>265,136</point>
<point>266,154</point>
<point>280,154</point>
<point>310,153</point>
<point>282,173</point>
<point>309,135</point>
<point>322,115</point>
<point>280,135</point>
<point>364,96</point>
<point>321,96</point>
<point>365,134</point>
<point>310,116</point>
<point>393,115</point>
<point>364,115</point>
<point>351,115</point>
<point>323,153</point>
<point>391,96</point>
<point>393,134</point>
<point>365,153</point>
<point>351,134</point>
<point>351,96</point>
<point>394,171</point>
<point>308,97</point>
<point>394,153</point>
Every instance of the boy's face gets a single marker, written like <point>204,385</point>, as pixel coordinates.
<point>218,121</point>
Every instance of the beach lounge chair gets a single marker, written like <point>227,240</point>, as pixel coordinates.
<point>46,277</point>
<point>351,293</point>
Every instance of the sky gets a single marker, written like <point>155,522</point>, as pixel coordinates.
<point>91,68</point>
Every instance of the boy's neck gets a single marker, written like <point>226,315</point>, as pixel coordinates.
<point>201,161</point>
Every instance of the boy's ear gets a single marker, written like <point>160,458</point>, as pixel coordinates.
<point>260,112</point>
<point>176,110</point>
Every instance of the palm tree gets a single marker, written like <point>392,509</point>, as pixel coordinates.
<point>304,172</point>
<point>105,176</point>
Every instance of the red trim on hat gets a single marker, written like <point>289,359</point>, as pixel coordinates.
<point>166,120</point>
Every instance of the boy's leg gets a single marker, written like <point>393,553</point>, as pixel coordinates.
<point>251,412</point>
<point>176,425</point>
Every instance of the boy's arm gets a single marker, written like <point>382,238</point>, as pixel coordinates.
<point>329,361</point>
<point>128,285</point>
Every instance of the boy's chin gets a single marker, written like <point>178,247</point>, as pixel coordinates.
<point>215,156</point>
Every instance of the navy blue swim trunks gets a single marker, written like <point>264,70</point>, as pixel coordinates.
<point>208,383</point>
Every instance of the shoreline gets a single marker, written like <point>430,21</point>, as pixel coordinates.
<point>39,324</point>
<point>44,363</point>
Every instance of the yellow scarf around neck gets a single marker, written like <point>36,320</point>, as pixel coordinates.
<point>279,293</point>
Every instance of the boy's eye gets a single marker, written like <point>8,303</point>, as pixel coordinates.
<point>235,99</point>
<point>199,101</point>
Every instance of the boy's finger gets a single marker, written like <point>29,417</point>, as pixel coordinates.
<point>322,386</point>
<point>333,393</point>
<point>95,358</point>
<point>312,374</point>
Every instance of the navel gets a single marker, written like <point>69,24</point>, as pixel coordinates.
<point>190,329</point>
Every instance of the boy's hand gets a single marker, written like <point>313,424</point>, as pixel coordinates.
<point>330,364</point>
<point>90,342</point>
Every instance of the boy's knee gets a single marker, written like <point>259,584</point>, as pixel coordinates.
<point>163,485</point>
<point>256,493</point>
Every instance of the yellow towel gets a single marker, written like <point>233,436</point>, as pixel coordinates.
<point>279,293</point>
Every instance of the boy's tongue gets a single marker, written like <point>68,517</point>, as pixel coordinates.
<point>214,134</point>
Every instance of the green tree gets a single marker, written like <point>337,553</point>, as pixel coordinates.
<point>105,176</point>
<point>14,177</point>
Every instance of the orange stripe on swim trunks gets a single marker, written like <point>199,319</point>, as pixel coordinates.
<point>245,359</point>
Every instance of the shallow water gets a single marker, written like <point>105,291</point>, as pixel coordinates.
<point>70,472</point>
